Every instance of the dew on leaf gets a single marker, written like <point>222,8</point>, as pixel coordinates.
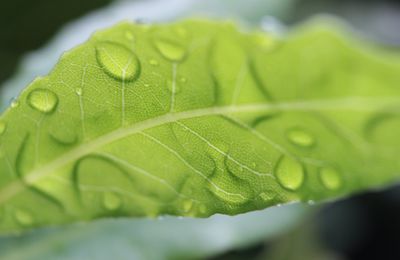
<point>290,173</point>
<point>14,103</point>
<point>23,217</point>
<point>300,137</point>
<point>117,61</point>
<point>43,100</point>
<point>111,201</point>
<point>3,127</point>
<point>170,50</point>
<point>330,178</point>
<point>63,135</point>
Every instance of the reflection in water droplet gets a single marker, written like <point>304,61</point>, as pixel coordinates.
<point>170,50</point>
<point>330,178</point>
<point>78,91</point>
<point>3,127</point>
<point>300,137</point>
<point>23,217</point>
<point>43,100</point>
<point>290,173</point>
<point>111,201</point>
<point>117,61</point>
<point>153,62</point>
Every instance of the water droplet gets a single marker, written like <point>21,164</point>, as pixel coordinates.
<point>117,61</point>
<point>300,137</point>
<point>111,201</point>
<point>23,217</point>
<point>78,91</point>
<point>129,35</point>
<point>170,50</point>
<point>330,178</point>
<point>14,103</point>
<point>187,205</point>
<point>153,62</point>
<point>43,100</point>
<point>290,173</point>
<point>3,127</point>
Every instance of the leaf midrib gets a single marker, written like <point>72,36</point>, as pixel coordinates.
<point>352,103</point>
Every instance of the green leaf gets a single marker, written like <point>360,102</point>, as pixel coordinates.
<point>197,118</point>
<point>166,238</point>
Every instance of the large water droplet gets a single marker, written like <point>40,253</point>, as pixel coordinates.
<point>300,137</point>
<point>117,61</point>
<point>170,50</point>
<point>330,178</point>
<point>43,100</point>
<point>290,173</point>
<point>3,127</point>
<point>111,201</point>
<point>23,217</point>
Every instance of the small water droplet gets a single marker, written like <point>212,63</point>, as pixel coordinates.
<point>117,61</point>
<point>23,217</point>
<point>78,91</point>
<point>3,127</point>
<point>290,173</point>
<point>300,137</point>
<point>330,178</point>
<point>170,50</point>
<point>111,201</point>
<point>154,62</point>
<point>43,100</point>
<point>14,103</point>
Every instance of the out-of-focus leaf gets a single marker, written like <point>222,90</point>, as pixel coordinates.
<point>168,238</point>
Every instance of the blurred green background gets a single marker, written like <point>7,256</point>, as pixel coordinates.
<point>365,226</point>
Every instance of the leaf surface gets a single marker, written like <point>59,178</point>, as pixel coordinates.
<point>197,118</point>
